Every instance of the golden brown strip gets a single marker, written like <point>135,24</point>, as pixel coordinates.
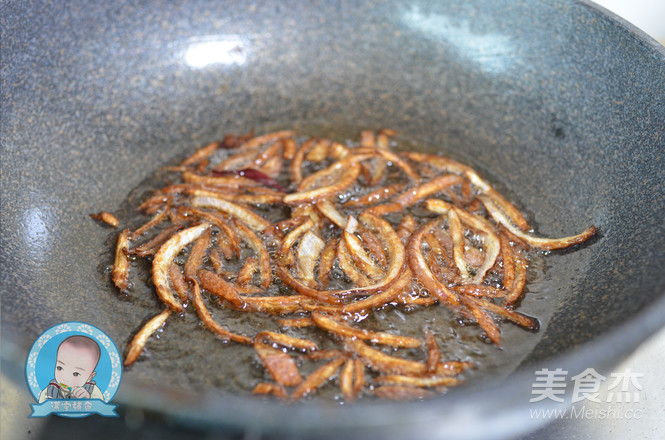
<point>233,181</point>
<point>280,365</point>
<point>107,218</point>
<point>516,287</point>
<point>267,388</point>
<point>286,341</point>
<point>216,285</point>
<point>483,319</point>
<point>285,256</point>
<point>401,392</point>
<point>318,378</point>
<point>326,261</point>
<point>179,284</point>
<point>135,347</point>
<point>419,267</point>
<point>309,250</point>
<point>266,138</point>
<point>537,242</point>
<point>209,322</point>
<point>295,168</point>
<point>319,151</point>
<point>250,218</point>
<point>379,361</point>
<point>406,227</point>
<point>247,271</point>
<point>421,382</point>
<point>383,297</point>
<point>375,196</point>
<point>433,352</point>
<point>154,221</point>
<point>346,380</point>
<point>346,330</point>
<point>152,246</point>
<point>295,322</point>
<point>345,262</point>
<point>346,179</point>
<point>374,247</point>
<point>360,257</point>
<point>290,148</point>
<point>197,254</point>
<point>120,271</point>
<point>200,154</point>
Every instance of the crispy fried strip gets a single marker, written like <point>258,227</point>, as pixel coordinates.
<point>247,271</point>
<point>452,166</point>
<point>216,285</point>
<point>379,361</point>
<point>374,247</point>
<point>209,322</point>
<point>406,227</point>
<point>259,248</point>
<point>491,241</point>
<point>197,254</point>
<point>266,138</point>
<point>230,247</point>
<point>376,196</point>
<point>345,262</point>
<point>295,322</point>
<point>319,151</point>
<point>344,329</point>
<point>483,319</point>
<point>154,221</point>
<point>107,218</point>
<point>433,186</point>
<point>338,151</point>
<point>138,342</point>
<point>120,271</point>
<point>318,378</point>
<point>419,267</point>
<point>516,288</point>
<point>309,250</point>
<point>346,179</point>
<point>539,243</point>
<point>216,260</point>
<point>286,341</point>
<point>285,255</point>
<point>329,210</point>
<point>433,352</point>
<point>326,261</point>
<point>273,151</point>
<point>289,280</point>
<point>511,315</point>
<point>290,148</point>
<point>280,365</point>
<point>231,181</point>
<point>457,234</point>
<point>398,161</point>
<point>480,290</point>
<point>240,198</point>
<point>382,298</point>
<point>152,246</point>
<point>267,388</point>
<point>295,168</point>
<point>359,380</point>
<point>274,305</point>
<point>200,154</point>
<point>346,380</point>
<point>179,284</point>
<point>401,392</point>
<point>421,382</point>
<point>250,218</point>
<point>360,257</point>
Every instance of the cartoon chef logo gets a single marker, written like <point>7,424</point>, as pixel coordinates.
<point>73,370</point>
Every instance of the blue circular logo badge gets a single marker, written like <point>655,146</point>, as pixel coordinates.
<point>73,370</point>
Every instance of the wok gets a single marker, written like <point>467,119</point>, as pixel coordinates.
<point>559,104</point>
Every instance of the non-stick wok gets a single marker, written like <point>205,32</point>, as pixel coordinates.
<point>558,104</point>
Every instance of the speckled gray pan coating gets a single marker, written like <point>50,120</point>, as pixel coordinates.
<point>559,105</point>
